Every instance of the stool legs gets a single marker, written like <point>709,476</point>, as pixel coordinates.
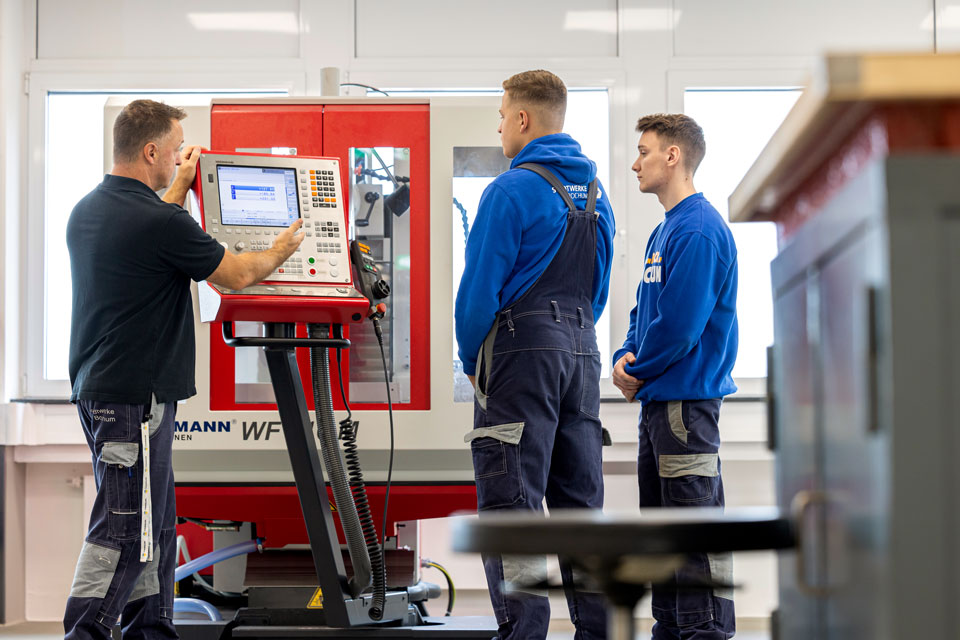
<point>620,622</point>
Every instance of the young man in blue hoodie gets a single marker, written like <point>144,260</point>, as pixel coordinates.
<point>537,271</point>
<point>677,359</point>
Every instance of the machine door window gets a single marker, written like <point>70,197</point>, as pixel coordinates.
<point>380,218</point>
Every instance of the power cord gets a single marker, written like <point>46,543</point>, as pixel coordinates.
<point>343,394</point>
<point>386,378</point>
<point>365,86</point>
<point>451,590</point>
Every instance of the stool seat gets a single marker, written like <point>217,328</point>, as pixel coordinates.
<point>576,533</point>
<point>623,552</point>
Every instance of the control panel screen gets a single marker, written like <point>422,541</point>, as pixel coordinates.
<point>258,196</point>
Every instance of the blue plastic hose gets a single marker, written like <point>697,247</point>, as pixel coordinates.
<point>212,558</point>
<point>193,605</point>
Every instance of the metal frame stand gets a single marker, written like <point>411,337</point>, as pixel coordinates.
<point>342,615</point>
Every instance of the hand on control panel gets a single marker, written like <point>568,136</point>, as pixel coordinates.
<point>186,172</point>
<point>289,239</point>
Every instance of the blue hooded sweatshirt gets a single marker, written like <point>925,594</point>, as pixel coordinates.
<point>519,228</point>
<point>683,330</point>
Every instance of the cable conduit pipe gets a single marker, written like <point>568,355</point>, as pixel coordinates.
<point>194,605</point>
<point>334,463</point>
<point>212,558</point>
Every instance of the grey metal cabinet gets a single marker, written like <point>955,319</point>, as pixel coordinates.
<point>866,375</point>
<point>863,181</point>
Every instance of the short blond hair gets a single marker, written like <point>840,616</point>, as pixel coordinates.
<point>541,90</point>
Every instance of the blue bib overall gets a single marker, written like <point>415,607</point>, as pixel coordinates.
<point>537,430</point>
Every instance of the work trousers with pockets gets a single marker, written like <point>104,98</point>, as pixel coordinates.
<point>539,436</point>
<point>679,466</point>
<point>111,585</point>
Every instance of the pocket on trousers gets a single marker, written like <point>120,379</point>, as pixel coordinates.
<point>496,466</point>
<point>122,484</point>
<point>489,457</point>
<point>95,570</point>
<point>156,411</point>
<point>690,490</point>
<point>590,394</point>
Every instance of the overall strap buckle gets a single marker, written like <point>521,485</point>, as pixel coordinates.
<point>592,199</point>
<point>508,314</point>
<point>580,316</point>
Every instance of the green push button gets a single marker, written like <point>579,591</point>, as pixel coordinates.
<point>311,260</point>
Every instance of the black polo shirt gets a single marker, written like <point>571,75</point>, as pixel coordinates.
<point>132,257</point>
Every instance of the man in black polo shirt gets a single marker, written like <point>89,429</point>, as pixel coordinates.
<point>132,357</point>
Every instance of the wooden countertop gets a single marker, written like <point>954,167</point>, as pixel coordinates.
<point>838,97</point>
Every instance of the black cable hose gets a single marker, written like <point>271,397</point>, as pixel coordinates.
<point>378,330</point>
<point>348,434</point>
<point>335,466</point>
<point>348,437</point>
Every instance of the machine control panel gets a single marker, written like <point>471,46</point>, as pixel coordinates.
<point>248,199</point>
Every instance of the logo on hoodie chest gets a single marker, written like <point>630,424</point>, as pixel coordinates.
<point>654,270</point>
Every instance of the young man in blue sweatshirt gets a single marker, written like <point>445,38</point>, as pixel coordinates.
<point>536,276</point>
<point>677,359</point>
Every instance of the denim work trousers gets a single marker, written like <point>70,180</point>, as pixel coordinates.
<point>537,430</point>
<point>679,466</point>
<point>111,584</point>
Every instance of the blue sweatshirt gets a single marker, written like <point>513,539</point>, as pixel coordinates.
<point>519,227</point>
<point>683,330</point>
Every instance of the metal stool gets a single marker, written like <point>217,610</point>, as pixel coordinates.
<point>624,553</point>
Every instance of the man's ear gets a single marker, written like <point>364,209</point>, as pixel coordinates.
<point>150,151</point>
<point>673,155</point>
<point>524,120</point>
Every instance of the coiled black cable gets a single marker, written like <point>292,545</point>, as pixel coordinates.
<point>335,466</point>
<point>348,438</point>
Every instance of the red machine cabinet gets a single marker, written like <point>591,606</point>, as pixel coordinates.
<point>319,129</point>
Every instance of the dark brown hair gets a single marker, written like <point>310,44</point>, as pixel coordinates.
<point>539,89</point>
<point>140,122</point>
<point>678,129</point>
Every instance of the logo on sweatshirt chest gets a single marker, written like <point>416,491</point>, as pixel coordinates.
<point>654,270</point>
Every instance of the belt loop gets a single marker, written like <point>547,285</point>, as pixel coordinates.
<point>580,316</point>
<point>556,310</point>
<point>509,315</point>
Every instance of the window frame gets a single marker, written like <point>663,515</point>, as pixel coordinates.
<point>680,80</point>
<point>594,75</point>
<point>33,383</point>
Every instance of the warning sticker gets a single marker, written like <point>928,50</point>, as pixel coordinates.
<point>316,602</point>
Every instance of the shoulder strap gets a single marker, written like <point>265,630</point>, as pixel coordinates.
<point>592,198</point>
<point>547,175</point>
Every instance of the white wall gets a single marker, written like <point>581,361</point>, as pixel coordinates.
<point>645,51</point>
<point>13,60</point>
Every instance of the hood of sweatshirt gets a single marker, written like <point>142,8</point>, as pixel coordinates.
<point>562,154</point>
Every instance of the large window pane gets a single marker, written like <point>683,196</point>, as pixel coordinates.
<point>588,122</point>
<point>75,161</point>
<point>737,124</point>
